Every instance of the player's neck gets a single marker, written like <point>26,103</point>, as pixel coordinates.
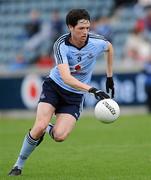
<point>76,42</point>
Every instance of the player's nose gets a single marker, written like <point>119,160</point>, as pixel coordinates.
<point>85,31</point>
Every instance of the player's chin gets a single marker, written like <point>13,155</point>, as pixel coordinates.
<point>83,38</point>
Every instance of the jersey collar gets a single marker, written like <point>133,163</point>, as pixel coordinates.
<point>67,42</point>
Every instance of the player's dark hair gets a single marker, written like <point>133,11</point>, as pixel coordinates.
<point>75,15</point>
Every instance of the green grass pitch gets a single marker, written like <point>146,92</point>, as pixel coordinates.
<point>94,151</point>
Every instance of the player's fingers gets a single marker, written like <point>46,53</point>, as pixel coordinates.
<point>97,97</point>
<point>107,87</point>
<point>105,96</point>
<point>113,93</point>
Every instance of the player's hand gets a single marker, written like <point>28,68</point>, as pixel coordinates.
<point>99,94</point>
<point>110,86</point>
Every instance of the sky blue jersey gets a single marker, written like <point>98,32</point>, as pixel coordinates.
<point>81,61</point>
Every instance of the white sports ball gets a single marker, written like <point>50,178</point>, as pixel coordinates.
<point>107,110</point>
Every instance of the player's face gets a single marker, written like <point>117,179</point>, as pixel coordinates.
<point>80,31</point>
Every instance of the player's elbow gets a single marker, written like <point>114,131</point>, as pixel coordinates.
<point>67,80</point>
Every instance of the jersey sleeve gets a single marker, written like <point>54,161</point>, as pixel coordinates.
<point>60,53</point>
<point>102,45</point>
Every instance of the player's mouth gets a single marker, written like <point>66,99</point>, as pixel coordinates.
<point>83,37</point>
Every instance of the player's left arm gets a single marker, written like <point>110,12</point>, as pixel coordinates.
<point>109,70</point>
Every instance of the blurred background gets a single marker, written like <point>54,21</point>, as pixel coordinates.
<point>28,29</point>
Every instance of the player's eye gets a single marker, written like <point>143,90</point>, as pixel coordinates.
<point>81,28</point>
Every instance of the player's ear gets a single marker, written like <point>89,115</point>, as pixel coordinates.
<point>70,27</point>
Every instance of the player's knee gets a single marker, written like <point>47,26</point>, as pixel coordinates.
<point>59,137</point>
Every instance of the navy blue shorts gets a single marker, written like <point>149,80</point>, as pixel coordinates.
<point>64,101</point>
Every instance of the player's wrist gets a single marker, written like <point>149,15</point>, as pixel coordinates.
<point>109,77</point>
<point>92,90</point>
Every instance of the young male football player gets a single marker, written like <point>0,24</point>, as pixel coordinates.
<point>62,92</point>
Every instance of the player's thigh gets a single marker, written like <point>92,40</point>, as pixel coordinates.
<point>44,114</point>
<point>44,111</point>
<point>64,125</point>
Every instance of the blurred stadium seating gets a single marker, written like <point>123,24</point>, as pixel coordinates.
<point>13,15</point>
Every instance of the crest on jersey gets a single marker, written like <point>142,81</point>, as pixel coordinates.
<point>78,67</point>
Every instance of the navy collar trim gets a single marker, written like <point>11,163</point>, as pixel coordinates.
<point>67,42</point>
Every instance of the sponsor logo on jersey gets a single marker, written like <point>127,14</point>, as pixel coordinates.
<point>90,56</point>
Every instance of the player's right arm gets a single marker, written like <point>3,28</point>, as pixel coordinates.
<point>70,80</point>
<point>75,83</point>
